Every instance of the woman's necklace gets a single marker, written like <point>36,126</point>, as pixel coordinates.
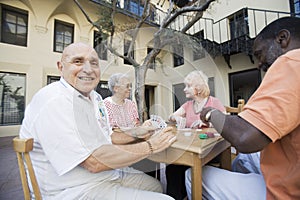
<point>198,106</point>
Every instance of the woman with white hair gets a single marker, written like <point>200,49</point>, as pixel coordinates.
<point>122,111</point>
<point>196,89</point>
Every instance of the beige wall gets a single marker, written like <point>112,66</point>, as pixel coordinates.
<point>38,60</point>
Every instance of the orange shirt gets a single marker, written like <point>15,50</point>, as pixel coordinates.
<point>275,110</point>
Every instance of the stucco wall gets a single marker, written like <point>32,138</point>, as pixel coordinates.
<point>38,60</point>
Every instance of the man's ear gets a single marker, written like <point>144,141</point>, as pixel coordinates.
<point>59,66</point>
<point>283,38</point>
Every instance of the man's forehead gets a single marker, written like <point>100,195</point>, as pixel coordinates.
<point>80,53</point>
<point>78,48</point>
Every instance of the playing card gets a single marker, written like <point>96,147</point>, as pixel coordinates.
<point>158,121</point>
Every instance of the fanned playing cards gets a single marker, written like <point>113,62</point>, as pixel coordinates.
<point>158,121</point>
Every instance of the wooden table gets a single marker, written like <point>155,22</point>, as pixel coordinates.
<point>195,152</point>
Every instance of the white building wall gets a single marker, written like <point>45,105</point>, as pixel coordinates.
<point>38,60</point>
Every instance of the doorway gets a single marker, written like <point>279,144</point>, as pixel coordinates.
<point>149,100</point>
<point>243,84</point>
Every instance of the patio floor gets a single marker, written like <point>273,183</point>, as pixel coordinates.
<point>10,182</point>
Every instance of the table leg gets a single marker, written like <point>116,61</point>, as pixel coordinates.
<point>226,159</point>
<point>197,178</point>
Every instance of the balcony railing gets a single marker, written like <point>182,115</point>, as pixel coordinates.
<point>232,34</point>
<point>224,37</point>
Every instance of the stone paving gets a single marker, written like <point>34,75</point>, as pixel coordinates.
<point>10,182</point>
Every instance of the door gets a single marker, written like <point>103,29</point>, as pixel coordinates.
<point>243,84</point>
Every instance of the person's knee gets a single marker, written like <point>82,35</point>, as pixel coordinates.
<point>188,175</point>
<point>159,188</point>
<point>188,182</point>
<point>148,183</point>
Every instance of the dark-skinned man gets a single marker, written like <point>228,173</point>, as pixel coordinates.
<point>269,123</point>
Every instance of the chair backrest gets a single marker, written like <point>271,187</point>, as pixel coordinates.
<point>22,147</point>
<point>236,110</point>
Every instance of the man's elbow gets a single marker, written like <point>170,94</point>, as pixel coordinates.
<point>94,166</point>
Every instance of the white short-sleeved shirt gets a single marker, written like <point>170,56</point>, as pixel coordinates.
<point>66,127</point>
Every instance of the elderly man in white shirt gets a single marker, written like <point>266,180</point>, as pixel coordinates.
<point>76,155</point>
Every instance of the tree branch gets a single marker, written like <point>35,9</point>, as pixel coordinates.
<point>87,16</point>
<point>187,9</point>
<point>145,15</point>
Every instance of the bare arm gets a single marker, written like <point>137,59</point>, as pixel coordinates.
<point>134,134</point>
<point>119,137</point>
<point>245,137</point>
<point>180,112</point>
<point>109,157</point>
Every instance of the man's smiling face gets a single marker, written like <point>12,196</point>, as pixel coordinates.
<point>80,67</point>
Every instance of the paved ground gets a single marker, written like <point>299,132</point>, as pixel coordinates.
<point>10,182</point>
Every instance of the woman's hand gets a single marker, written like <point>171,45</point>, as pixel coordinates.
<point>147,123</point>
<point>197,124</point>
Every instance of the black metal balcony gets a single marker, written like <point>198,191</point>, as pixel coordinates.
<point>225,37</point>
<point>235,33</point>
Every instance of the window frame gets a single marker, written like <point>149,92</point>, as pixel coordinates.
<point>178,60</point>
<point>66,25</point>
<point>13,114</point>
<point>238,24</point>
<point>134,6</point>
<point>294,6</point>
<point>125,49</point>
<point>199,52</point>
<point>153,63</point>
<point>52,79</point>
<point>19,39</point>
<point>100,45</point>
<point>102,89</point>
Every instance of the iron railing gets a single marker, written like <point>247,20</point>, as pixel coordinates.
<point>224,37</point>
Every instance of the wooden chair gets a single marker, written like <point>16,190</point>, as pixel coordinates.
<point>22,147</point>
<point>236,110</point>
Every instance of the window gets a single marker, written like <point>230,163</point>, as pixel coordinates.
<point>211,85</point>
<point>199,51</point>
<point>178,95</point>
<point>12,98</point>
<point>126,48</point>
<point>243,84</point>
<point>134,6</point>
<point>178,55</point>
<point>51,79</point>
<point>63,35</point>
<point>152,64</point>
<point>14,25</point>
<point>295,7</point>
<point>239,24</point>
<point>100,45</point>
<point>102,89</point>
